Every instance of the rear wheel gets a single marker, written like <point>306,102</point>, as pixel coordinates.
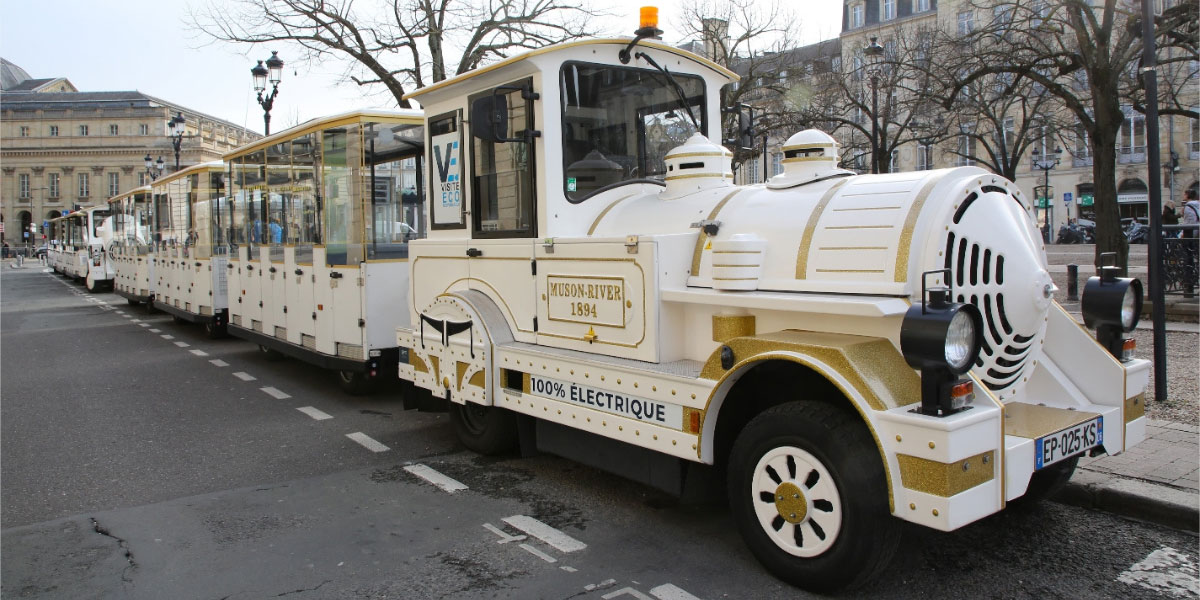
<point>487,430</point>
<point>132,302</point>
<point>269,354</point>
<point>357,383</point>
<point>809,496</point>
<point>214,331</point>
<point>179,320</point>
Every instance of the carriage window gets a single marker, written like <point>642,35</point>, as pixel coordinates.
<point>305,212</point>
<point>341,158</point>
<point>389,151</point>
<point>619,123</point>
<point>502,192</point>
<point>253,185</point>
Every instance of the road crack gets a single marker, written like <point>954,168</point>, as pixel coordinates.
<point>302,590</point>
<point>123,545</point>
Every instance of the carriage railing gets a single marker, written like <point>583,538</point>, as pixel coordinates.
<point>1179,257</point>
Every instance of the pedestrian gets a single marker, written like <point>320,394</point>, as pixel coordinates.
<point>1169,217</point>
<point>276,232</point>
<point>1191,212</point>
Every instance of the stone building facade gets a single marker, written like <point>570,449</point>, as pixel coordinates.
<point>63,148</point>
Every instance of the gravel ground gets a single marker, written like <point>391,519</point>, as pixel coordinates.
<point>1183,376</point>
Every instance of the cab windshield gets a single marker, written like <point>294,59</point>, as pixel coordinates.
<point>619,123</point>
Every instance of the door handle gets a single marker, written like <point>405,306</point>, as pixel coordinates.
<point>299,271</point>
<point>474,252</point>
<point>335,275</point>
<point>272,269</point>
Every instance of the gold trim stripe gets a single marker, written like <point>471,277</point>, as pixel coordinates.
<point>610,206</point>
<point>700,175</point>
<point>691,154</point>
<point>910,223</point>
<point>700,237</point>
<point>946,479</point>
<point>1135,407</point>
<point>811,228</point>
<point>809,146</point>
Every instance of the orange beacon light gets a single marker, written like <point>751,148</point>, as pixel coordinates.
<point>649,17</point>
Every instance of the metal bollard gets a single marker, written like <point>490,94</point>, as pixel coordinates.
<point>1072,283</point>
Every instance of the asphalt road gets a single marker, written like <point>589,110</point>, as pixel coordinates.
<point>135,467</point>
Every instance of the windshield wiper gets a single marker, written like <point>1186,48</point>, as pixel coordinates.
<point>682,96</point>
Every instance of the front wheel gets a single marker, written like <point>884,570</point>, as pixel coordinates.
<point>809,496</point>
<point>488,430</point>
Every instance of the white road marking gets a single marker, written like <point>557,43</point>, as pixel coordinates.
<point>626,591</point>
<point>182,344</point>
<point>314,413</point>
<point>155,330</point>
<point>244,376</point>
<point>568,569</point>
<point>668,591</point>
<point>598,586</point>
<point>278,395</point>
<point>1164,570</point>
<point>546,533</point>
<point>167,336</point>
<point>198,352</point>
<point>143,324</point>
<point>132,320</point>
<point>367,442</point>
<point>447,484</point>
<point>504,537</point>
<point>218,363</point>
<point>539,553</point>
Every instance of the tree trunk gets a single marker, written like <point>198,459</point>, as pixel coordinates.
<point>1109,236</point>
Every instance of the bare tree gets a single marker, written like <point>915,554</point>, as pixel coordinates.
<point>401,44</point>
<point>1086,54</point>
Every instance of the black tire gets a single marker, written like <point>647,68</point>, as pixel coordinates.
<point>357,383</point>
<point>269,354</point>
<point>179,320</point>
<point>488,430</point>
<point>91,287</point>
<point>132,302</point>
<point>215,331</point>
<point>855,536</point>
<point>1045,483</point>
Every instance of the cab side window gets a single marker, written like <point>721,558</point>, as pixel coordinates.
<point>502,179</point>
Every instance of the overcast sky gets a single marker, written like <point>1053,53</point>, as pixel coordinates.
<point>108,45</point>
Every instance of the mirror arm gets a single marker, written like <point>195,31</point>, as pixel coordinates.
<point>527,93</point>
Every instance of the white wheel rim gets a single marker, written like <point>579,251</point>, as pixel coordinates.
<point>813,528</point>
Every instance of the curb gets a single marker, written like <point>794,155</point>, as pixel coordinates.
<point>1132,498</point>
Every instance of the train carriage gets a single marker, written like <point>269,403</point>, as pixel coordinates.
<point>133,241</point>
<point>318,219</point>
<point>849,350</point>
<point>189,267</point>
<point>85,236</point>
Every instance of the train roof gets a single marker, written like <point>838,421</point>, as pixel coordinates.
<point>414,117</point>
<point>214,165</point>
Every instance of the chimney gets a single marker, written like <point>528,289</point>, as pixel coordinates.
<point>716,40</point>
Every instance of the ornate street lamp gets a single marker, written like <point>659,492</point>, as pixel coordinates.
<point>1046,164</point>
<point>273,73</point>
<point>874,54</point>
<point>175,129</point>
<point>154,169</point>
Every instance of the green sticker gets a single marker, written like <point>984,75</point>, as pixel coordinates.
<point>570,184</point>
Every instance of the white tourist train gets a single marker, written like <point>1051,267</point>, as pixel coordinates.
<point>81,244</point>
<point>842,352</point>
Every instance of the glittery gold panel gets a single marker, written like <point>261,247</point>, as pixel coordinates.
<point>728,327</point>
<point>460,370</point>
<point>701,238</point>
<point>477,379</point>
<point>1135,407</point>
<point>1032,421</point>
<point>418,364</point>
<point>525,382</point>
<point>873,366</point>
<point>910,222</point>
<point>811,228</point>
<point>946,479</point>
<point>436,371</point>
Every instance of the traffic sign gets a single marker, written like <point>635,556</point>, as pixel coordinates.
<point>1067,198</point>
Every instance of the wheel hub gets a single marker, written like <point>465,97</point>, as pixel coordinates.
<point>791,503</point>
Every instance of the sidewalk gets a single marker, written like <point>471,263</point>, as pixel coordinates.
<point>1155,481</point>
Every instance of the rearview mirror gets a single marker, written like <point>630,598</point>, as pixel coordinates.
<point>489,118</point>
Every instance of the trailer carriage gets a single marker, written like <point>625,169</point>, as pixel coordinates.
<point>131,255</point>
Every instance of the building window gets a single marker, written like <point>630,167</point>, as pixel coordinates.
<point>84,192</point>
<point>835,65</point>
<point>114,184</point>
<point>114,130</point>
<point>1131,146</point>
<point>23,178</point>
<point>894,162</point>
<point>754,170</point>
<point>143,179</point>
<point>776,163</point>
<point>54,131</point>
<point>888,9</point>
<point>83,130</point>
<point>143,129</point>
<point>856,15</point>
<point>966,22</point>
<point>1194,142</point>
<point>920,5</point>
<point>53,185</point>
<point>966,150</point>
<point>24,131</point>
<point>924,157</point>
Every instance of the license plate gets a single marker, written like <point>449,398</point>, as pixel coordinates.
<point>1068,442</point>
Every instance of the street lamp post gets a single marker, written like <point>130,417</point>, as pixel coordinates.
<point>1046,164</point>
<point>175,131</point>
<point>874,54</point>
<point>154,169</point>
<point>273,72</point>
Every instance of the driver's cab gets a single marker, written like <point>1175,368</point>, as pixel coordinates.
<point>527,154</point>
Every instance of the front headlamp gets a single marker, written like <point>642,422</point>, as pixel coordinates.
<point>941,339</point>
<point>1112,306</point>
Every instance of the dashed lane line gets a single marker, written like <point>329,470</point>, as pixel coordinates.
<point>167,336</point>
<point>278,395</point>
<point>559,540</point>
<point>198,352</point>
<point>216,362</point>
<point>244,376</point>
<point>155,330</point>
<point>504,537</point>
<point>366,442</point>
<point>669,591</point>
<point>143,324</point>
<point>182,344</point>
<point>314,413</point>
<point>538,553</point>
<point>447,484</point>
